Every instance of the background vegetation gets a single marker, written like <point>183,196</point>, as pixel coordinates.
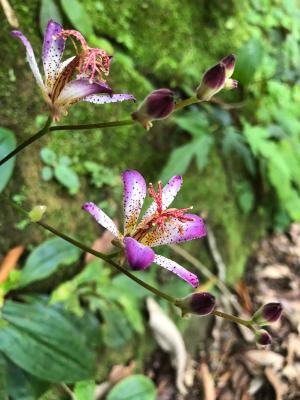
<point>240,157</point>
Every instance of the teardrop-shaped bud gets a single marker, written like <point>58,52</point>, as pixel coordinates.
<point>36,214</point>
<point>267,314</point>
<point>157,105</point>
<point>263,337</point>
<point>212,82</point>
<point>202,303</point>
<point>229,62</point>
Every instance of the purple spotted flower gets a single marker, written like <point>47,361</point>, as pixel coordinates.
<point>159,225</point>
<point>79,78</point>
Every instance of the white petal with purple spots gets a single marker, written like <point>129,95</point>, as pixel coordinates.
<point>30,58</point>
<point>102,218</point>
<point>76,90</point>
<point>115,98</point>
<point>177,269</point>
<point>176,231</point>
<point>53,48</point>
<point>169,193</point>
<point>135,190</point>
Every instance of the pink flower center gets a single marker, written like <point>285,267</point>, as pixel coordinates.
<point>159,218</point>
<point>93,62</point>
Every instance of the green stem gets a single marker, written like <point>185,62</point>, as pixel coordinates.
<point>27,142</point>
<point>186,102</point>
<point>92,126</point>
<point>233,318</point>
<point>95,253</point>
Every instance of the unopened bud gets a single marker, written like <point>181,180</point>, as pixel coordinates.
<point>229,62</point>
<point>263,337</point>
<point>267,314</point>
<point>212,82</point>
<point>157,105</point>
<point>230,84</point>
<point>201,303</point>
<point>36,214</point>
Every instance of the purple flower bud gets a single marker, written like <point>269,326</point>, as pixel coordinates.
<point>267,314</point>
<point>157,105</point>
<point>212,82</point>
<point>139,257</point>
<point>201,303</point>
<point>263,337</point>
<point>229,63</point>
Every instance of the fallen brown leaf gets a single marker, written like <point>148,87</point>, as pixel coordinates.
<point>10,262</point>
<point>207,381</point>
<point>102,244</point>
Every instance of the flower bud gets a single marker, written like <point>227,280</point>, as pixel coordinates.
<point>230,84</point>
<point>263,337</point>
<point>267,314</point>
<point>157,105</point>
<point>212,82</point>
<point>229,63</point>
<point>36,214</point>
<point>201,303</point>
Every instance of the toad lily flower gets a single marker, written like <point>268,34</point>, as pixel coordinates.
<point>159,225</point>
<point>78,78</point>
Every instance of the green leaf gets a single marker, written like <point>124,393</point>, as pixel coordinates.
<point>7,144</point>
<point>47,344</point>
<point>23,386</point>
<point>49,10</point>
<point>76,13</point>
<point>47,174</point>
<point>84,390</point>
<point>178,161</point>
<point>48,156</point>
<point>135,387</point>
<point>3,379</point>
<point>202,148</point>
<point>234,142</point>
<point>46,259</point>
<point>195,122</point>
<point>249,59</point>
<point>67,177</point>
<point>245,196</point>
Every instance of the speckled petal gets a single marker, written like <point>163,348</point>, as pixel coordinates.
<point>169,193</point>
<point>30,58</point>
<point>176,231</point>
<point>102,218</point>
<point>115,98</point>
<point>177,269</point>
<point>134,194</point>
<point>139,257</point>
<point>53,48</point>
<point>76,90</point>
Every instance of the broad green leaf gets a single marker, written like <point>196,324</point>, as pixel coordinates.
<point>76,13</point>
<point>49,10</point>
<point>202,148</point>
<point>47,173</point>
<point>84,390</point>
<point>48,156</point>
<point>195,122</point>
<point>46,259</point>
<point>46,343</point>
<point>245,196</point>
<point>135,387</point>
<point>249,59</point>
<point>3,379</point>
<point>67,177</point>
<point>7,144</point>
<point>234,142</point>
<point>178,161</point>
<point>23,386</point>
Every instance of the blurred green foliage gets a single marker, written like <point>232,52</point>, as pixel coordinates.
<point>239,156</point>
